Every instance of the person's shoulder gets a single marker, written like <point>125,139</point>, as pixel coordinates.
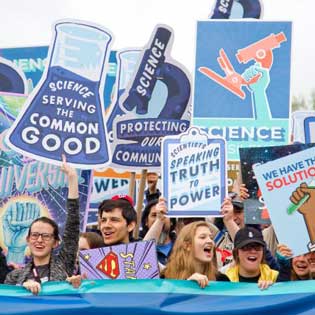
<point>13,276</point>
<point>221,277</point>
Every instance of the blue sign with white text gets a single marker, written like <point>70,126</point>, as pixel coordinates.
<point>242,82</point>
<point>155,103</point>
<point>65,112</point>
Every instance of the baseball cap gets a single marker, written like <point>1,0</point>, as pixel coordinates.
<point>248,235</point>
<point>125,197</point>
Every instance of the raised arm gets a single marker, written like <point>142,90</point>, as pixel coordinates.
<point>70,239</point>
<point>227,212</point>
<point>157,227</point>
<point>73,188</point>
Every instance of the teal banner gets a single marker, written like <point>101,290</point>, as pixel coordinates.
<point>160,297</point>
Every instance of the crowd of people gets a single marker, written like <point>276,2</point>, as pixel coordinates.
<point>201,250</point>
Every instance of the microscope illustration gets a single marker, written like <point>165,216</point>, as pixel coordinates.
<point>260,52</point>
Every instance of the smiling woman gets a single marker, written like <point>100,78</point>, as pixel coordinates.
<point>193,256</point>
<point>248,253</point>
<point>43,238</point>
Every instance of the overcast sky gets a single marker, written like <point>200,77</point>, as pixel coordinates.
<point>28,23</point>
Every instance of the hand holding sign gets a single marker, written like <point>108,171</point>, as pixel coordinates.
<point>161,209</point>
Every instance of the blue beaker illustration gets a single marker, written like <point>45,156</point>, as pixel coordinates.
<point>127,61</point>
<point>65,114</point>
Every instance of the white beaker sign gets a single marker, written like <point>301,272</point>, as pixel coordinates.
<point>65,112</point>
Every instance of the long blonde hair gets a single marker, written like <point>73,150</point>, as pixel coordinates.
<point>182,263</point>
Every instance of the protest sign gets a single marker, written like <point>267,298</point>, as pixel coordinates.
<point>137,260</point>
<point>193,174</point>
<point>64,113</point>
<point>104,188</point>
<point>155,103</point>
<point>287,185</point>
<point>242,82</point>
<point>12,79</point>
<point>236,9</point>
<point>303,126</point>
<point>255,209</point>
<point>29,188</point>
<point>233,173</point>
<point>29,60</point>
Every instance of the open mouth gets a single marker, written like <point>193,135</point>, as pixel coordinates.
<point>252,259</point>
<point>108,234</point>
<point>301,266</point>
<point>208,250</point>
<point>39,247</point>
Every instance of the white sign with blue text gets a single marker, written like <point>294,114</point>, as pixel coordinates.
<point>288,187</point>
<point>194,174</point>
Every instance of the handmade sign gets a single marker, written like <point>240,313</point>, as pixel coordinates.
<point>242,82</point>
<point>193,174</point>
<point>255,209</point>
<point>137,260</point>
<point>288,187</point>
<point>155,103</point>
<point>64,113</point>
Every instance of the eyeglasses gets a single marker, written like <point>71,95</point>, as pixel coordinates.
<point>248,247</point>
<point>45,236</point>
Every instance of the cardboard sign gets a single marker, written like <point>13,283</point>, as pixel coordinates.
<point>288,187</point>
<point>64,113</point>
<point>242,82</point>
<point>136,260</point>
<point>155,103</point>
<point>194,174</point>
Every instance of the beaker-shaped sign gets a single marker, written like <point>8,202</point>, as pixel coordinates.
<point>65,113</point>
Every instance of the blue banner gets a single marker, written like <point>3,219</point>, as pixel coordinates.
<point>160,297</point>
